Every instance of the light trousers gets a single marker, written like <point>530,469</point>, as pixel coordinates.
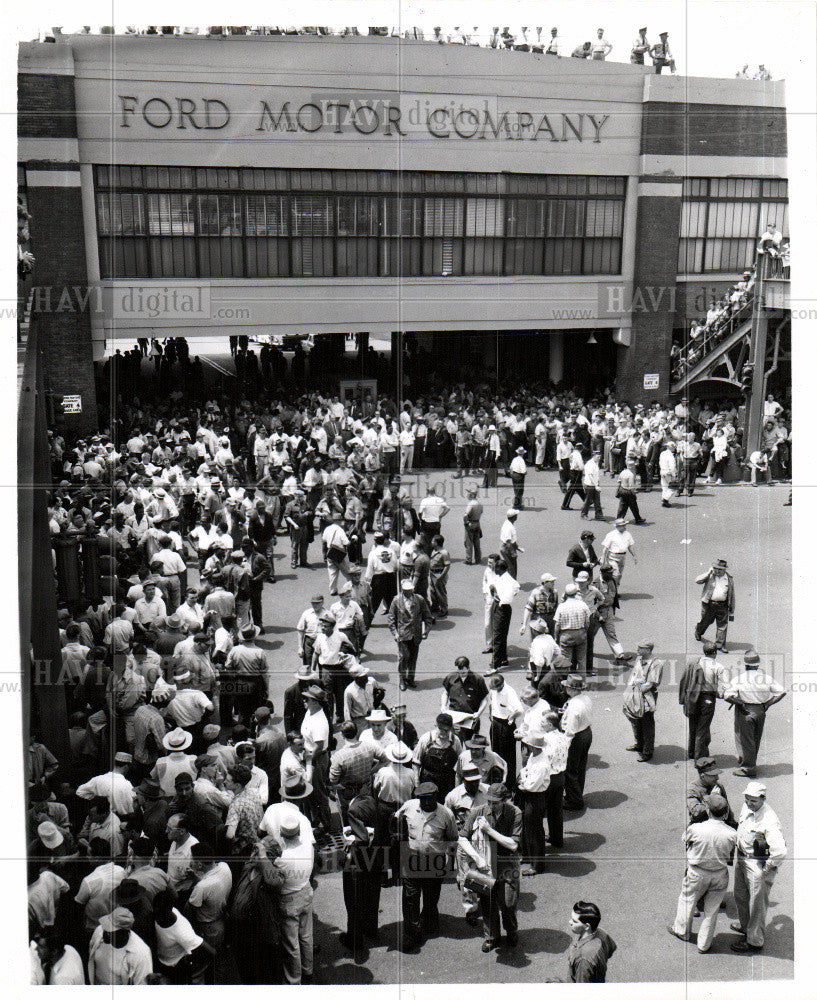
<point>752,897</point>
<point>706,889</point>
<point>296,934</point>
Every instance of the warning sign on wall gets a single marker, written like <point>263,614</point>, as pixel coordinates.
<point>651,381</point>
<point>72,404</point>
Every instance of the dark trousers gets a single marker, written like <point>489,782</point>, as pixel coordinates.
<point>500,623</point>
<point>518,490</point>
<point>576,770</point>
<point>425,890</point>
<point>508,553</point>
<point>564,473</point>
<point>699,724</point>
<point>627,501</point>
<point>749,722</point>
<point>384,589</point>
<point>387,838</point>
<point>319,800</point>
<point>407,650</point>
<point>714,611</point>
<point>503,743</point>
<point>592,497</point>
<point>473,549</point>
<point>644,732</point>
<point>495,909</point>
<point>255,605</point>
<point>574,489</point>
<point>534,805</point>
<point>690,475</point>
<point>361,894</point>
<point>554,809</point>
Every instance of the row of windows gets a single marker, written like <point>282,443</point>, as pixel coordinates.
<point>722,219</point>
<point>374,181</point>
<point>237,234</point>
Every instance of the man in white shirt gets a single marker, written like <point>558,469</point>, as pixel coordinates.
<point>668,470</point>
<point>113,786</point>
<point>179,855</point>
<point>576,468</point>
<point>336,544</point>
<point>506,709</point>
<point>518,470</point>
<point>591,481</point>
<point>534,779</point>
<point>503,589</point>
<point>576,725</point>
<point>117,956</point>
<point>600,47</point>
<point>509,546</point>
<point>760,851</point>
<point>614,549</point>
<point>431,511</point>
<point>150,609</point>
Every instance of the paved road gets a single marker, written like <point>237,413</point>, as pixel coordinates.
<point>624,851</point>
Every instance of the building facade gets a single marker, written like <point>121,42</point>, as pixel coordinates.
<point>301,185</point>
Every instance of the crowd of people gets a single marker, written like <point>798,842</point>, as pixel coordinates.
<point>183,838</point>
<point>521,39</point>
<point>733,308</point>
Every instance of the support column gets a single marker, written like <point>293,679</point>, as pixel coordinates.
<point>557,356</point>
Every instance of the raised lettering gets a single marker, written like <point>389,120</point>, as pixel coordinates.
<point>186,109</point>
<point>597,125</point>
<point>393,119</point>
<point>127,109</point>
<point>165,106</point>
<point>431,119</point>
<point>568,124</point>
<point>544,126</point>
<point>224,108</point>
<point>465,134</point>
<point>375,120</point>
<point>309,108</point>
<point>284,115</point>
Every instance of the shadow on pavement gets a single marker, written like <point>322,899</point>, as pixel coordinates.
<point>608,799</point>
<point>668,754</point>
<point>596,763</point>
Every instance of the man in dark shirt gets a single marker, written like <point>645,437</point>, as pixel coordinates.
<point>552,690</point>
<point>588,955</point>
<point>466,692</point>
<point>707,782</point>
<point>361,874</point>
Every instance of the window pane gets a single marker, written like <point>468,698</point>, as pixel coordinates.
<point>443,217</point>
<point>484,217</point>
<point>311,216</point>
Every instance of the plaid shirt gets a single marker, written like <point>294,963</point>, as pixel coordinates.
<point>351,768</point>
<point>246,811</point>
<point>572,613</point>
<point>542,603</point>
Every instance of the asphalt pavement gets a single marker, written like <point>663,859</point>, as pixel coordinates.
<point>624,851</point>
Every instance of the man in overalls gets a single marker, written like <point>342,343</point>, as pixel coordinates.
<point>436,756</point>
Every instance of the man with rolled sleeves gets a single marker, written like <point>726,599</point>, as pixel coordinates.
<point>534,779</point>
<point>702,682</point>
<point>752,692</point>
<point>428,836</point>
<point>570,627</point>
<point>509,547</point>
<point>760,850</point>
<point>709,846</point>
<point>717,602</point>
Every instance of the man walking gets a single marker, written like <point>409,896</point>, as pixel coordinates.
<point>717,602</point>
<point>760,851</point>
<point>614,549</point>
<point>640,699</point>
<point>668,470</point>
<point>409,622</point>
<point>709,846</point>
<point>752,692</point>
<point>627,484</point>
<point>591,481</point>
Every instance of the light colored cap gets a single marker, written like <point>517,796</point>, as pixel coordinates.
<point>755,789</point>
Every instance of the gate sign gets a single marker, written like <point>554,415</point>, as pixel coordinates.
<point>72,404</point>
<point>651,381</point>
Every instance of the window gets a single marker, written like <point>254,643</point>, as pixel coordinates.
<point>161,222</point>
<point>722,219</point>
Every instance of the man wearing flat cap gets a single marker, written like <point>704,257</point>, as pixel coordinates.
<point>717,601</point>
<point>641,698</point>
<point>409,622</point>
<point>752,692</point>
<point>706,782</point>
<point>117,956</point>
<point>491,838</point>
<point>428,836</point>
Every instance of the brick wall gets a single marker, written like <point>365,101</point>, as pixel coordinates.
<point>61,301</point>
<point>712,130</point>
<point>46,106</point>
<point>656,258</point>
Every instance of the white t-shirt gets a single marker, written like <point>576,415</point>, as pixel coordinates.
<point>274,816</point>
<point>315,729</point>
<point>618,542</point>
<point>176,941</point>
